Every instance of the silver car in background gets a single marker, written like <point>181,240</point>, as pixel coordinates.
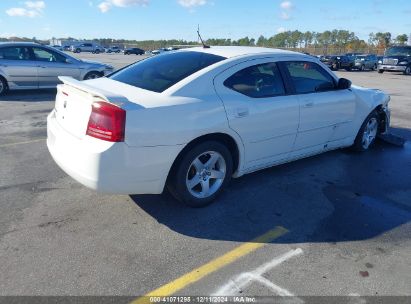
<point>366,62</point>
<point>34,66</point>
<point>87,47</point>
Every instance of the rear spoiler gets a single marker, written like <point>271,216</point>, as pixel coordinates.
<point>114,98</point>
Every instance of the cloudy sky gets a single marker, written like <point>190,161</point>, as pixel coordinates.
<point>166,19</point>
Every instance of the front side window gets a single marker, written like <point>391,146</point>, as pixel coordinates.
<point>258,81</point>
<point>161,72</point>
<point>15,53</point>
<point>41,54</point>
<point>309,77</point>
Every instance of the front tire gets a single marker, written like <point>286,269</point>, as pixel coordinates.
<point>368,133</point>
<point>201,174</point>
<point>380,71</point>
<point>3,86</point>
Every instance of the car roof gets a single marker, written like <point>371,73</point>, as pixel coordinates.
<point>19,44</point>
<point>236,51</point>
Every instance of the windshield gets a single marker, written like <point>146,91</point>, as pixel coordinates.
<point>160,72</point>
<point>398,51</point>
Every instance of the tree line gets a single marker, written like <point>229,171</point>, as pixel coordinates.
<point>334,41</point>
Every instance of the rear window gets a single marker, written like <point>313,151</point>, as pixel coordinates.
<point>161,72</point>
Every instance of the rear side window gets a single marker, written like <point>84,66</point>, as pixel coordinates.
<point>15,53</point>
<point>309,77</point>
<point>161,72</point>
<point>258,81</point>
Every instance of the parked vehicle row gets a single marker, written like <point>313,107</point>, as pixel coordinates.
<point>96,49</point>
<point>396,59</point>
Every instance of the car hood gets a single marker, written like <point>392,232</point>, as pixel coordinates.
<point>400,58</point>
<point>96,63</point>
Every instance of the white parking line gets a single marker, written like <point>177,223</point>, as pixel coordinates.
<point>243,280</point>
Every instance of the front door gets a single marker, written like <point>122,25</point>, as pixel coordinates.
<point>325,111</point>
<point>50,65</point>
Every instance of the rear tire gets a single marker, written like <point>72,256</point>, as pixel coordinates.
<point>367,134</point>
<point>201,174</point>
<point>407,70</point>
<point>78,51</point>
<point>3,86</point>
<point>97,52</point>
<point>380,71</point>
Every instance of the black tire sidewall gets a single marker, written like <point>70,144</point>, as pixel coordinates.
<point>90,73</point>
<point>178,179</point>
<point>4,83</point>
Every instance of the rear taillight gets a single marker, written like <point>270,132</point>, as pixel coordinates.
<point>107,122</point>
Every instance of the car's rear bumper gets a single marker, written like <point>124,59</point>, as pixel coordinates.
<point>391,68</point>
<point>110,167</point>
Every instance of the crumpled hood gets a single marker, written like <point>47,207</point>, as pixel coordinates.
<point>374,96</point>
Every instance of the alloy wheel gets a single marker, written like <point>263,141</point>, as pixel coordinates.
<point>370,133</point>
<point>206,174</point>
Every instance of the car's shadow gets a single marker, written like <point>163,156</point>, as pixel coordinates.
<point>42,95</point>
<point>334,197</point>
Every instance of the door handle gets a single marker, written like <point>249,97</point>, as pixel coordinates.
<point>309,104</point>
<point>241,112</point>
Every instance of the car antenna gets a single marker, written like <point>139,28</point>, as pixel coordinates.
<point>205,46</point>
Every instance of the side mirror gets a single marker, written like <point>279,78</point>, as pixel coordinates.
<point>344,84</point>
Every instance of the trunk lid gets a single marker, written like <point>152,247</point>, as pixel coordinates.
<point>73,104</point>
<point>75,98</point>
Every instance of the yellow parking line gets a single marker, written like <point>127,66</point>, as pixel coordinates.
<point>22,143</point>
<point>212,266</point>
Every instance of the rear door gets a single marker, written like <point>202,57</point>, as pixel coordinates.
<point>50,65</point>
<point>19,67</point>
<point>326,113</point>
<point>259,110</point>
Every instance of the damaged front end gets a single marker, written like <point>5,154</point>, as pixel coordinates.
<point>384,114</point>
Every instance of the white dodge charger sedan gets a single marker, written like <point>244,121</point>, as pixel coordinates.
<point>193,119</point>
